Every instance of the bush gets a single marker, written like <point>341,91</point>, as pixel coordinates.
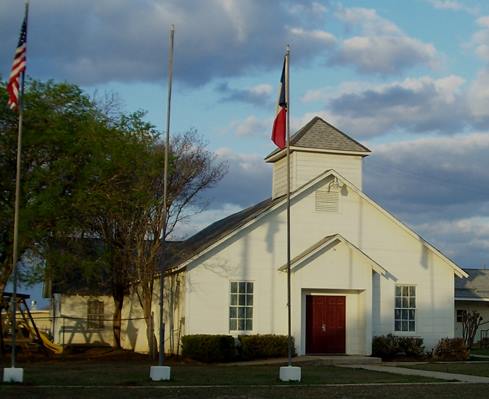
<point>385,346</point>
<point>449,349</point>
<point>209,348</point>
<point>264,346</point>
<point>411,346</point>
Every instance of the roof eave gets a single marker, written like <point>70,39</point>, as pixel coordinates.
<point>275,156</point>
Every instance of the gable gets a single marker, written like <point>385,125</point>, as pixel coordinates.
<point>301,243</point>
<point>329,243</point>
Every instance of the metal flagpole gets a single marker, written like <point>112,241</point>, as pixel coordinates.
<point>15,255</point>
<point>289,322</point>
<point>165,186</point>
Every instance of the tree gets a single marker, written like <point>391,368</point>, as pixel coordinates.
<point>192,169</point>
<point>471,321</point>
<point>93,174</point>
<point>57,120</point>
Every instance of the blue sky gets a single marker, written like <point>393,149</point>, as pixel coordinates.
<point>409,79</point>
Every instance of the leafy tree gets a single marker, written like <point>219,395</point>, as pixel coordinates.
<point>92,174</point>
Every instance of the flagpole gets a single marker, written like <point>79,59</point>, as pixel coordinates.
<point>15,255</point>
<point>165,187</point>
<point>289,318</point>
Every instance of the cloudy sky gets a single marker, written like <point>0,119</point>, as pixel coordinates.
<point>409,79</point>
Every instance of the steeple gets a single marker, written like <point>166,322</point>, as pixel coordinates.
<point>315,148</point>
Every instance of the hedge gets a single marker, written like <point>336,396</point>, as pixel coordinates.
<point>209,348</point>
<point>264,346</point>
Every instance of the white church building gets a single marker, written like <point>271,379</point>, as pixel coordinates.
<point>357,271</point>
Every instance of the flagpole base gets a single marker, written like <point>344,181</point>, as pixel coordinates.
<point>13,374</point>
<point>290,373</point>
<point>160,373</point>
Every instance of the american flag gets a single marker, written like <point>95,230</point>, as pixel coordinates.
<point>18,67</point>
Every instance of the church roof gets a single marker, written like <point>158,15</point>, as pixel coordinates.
<point>319,134</point>
<point>476,287</point>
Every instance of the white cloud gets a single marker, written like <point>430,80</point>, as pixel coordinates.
<point>480,39</point>
<point>251,126</point>
<point>380,47</point>
<point>412,105</point>
<point>318,35</point>
<point>453,5</point>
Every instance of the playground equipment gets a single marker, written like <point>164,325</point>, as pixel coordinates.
<point>27,335</point>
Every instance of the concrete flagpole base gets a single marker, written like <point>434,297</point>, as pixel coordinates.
<point>13,374</point>
<point>290,373</point>
<point>160,373</point>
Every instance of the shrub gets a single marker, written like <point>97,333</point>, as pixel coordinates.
<point>209,348</point>
<point>411,346</point>
<point>385,346</point>
<point>264,346</point>
<point>449,349</point>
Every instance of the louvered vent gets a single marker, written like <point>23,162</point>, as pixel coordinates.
<point>327,201</point>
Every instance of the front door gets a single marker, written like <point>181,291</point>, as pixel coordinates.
<point>325,324</point>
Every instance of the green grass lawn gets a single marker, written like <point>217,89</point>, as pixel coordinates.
<point>479,368</point>
<point>483,351</point>
<point>91,373</point>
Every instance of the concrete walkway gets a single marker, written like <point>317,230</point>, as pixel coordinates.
<point>424,373</point>
<point>312,361</point>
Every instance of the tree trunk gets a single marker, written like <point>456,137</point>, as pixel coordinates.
<point>117,319</point>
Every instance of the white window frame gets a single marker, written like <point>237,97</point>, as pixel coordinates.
<point>405,308</point>
<point>241,306</point>
<point>95,318</point>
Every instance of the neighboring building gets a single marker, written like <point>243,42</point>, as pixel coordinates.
<point>357,271</point>
<point>472,294</point>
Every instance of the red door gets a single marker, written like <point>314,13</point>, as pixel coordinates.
<point>325,324</point>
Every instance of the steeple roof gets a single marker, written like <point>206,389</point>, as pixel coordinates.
<point>318,134</point>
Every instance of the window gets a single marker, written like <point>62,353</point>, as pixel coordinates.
<point>241,306</point>
<point>461,315</point>
<point>95,314</point>
<point>405,308</point>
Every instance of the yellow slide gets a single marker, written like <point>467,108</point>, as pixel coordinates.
<point>56,349</point>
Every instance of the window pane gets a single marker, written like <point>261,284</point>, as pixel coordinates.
<point>241,325</point>
<point>411,314</point>
<point>242,287</point>
<point>398,302</point>
<point>404,325</point>
<point>233,324</point>
<point>412,291</point>
<point>412,302</point>
<point>412,326</point>
<point>405,291</point>
<point>242,300</point>
<point>241,312</point>
<point>397,325</point>
<point>249,300</point>
<point>234,288</point>
<point>405,303</point>
<point>398,291</point>
<point>249,288</point>
<point>249,325</point>
<point>249,313</point>
<point>234,299</point>
<point>397,314</point>
<point>232,312</point>
<point>404,314</point>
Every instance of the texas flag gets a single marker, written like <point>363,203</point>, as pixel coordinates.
<point>280,122</point>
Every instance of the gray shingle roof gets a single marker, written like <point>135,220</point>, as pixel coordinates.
<point>319,134</point>
<point>476,286</point>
